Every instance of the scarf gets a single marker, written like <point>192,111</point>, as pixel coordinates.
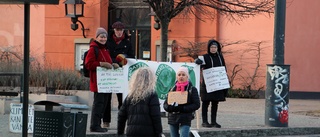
<point>116,39</point>
<point>180,86</point>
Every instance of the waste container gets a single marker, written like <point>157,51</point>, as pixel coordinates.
<point>49,123</point>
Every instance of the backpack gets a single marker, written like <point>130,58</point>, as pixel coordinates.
<point>85,71</point>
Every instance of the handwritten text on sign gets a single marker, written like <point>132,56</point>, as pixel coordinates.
<point>216,79</point>
<point>110,80</point>
<point>16,118</point>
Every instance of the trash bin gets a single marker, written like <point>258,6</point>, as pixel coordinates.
<point>51,123</point>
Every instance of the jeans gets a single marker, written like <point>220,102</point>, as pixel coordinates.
<point>184,130</point>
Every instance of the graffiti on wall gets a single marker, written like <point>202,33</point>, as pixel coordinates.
<point>279,98</point>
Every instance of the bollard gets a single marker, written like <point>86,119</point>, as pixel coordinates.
<point>277,95</point>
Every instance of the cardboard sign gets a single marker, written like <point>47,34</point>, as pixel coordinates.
<point>178,96</point>
<point>216,78</point>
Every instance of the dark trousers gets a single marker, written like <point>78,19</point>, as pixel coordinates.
<point>214,109</point>
<point>107,112</point>
<point>99,104</point>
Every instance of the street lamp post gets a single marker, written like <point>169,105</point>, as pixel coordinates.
<point>278,75</point>
<point>74,9</point>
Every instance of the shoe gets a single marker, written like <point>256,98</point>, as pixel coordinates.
<point>106,124</point>
<point>206,124</point>
<point>99,130</point>
<point>216,125</point>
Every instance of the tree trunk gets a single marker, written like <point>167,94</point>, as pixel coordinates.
<point>164,40</point>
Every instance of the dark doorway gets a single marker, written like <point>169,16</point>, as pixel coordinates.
<point>137,20</point>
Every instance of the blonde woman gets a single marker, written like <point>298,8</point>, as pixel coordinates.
<point>141,108</point>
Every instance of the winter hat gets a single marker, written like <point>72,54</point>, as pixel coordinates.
<point>118,25</point>
<point>183,69</point>
<point>101,31</point>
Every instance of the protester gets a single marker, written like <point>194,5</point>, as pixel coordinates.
<point>180,115</point>
<point>141,108</point>
<point>119,46</point>
<point>92,62</point>
<point>213,58</point>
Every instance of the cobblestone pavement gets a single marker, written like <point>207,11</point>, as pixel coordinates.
<point>232,114</point>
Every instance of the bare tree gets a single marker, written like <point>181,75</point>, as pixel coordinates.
<point>166,10</point>
<point>192,50</point>
<point>250,59</point>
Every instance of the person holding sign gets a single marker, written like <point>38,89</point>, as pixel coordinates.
<point>213,58</point>
<point>141,107</point>
<point>181,103</point>
<point>92,61</point>
<point>120,48</point>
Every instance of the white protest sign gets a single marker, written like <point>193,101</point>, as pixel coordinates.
<point>216,78</point>
<point>110,80</point>
<point>15,119</point>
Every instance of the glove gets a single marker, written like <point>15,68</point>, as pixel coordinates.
<point>106,65</point>
<point>174,107</point>
<point>198,61</point>
<point>115,65</point>
<point>170,108</point>
<point>178,109</point>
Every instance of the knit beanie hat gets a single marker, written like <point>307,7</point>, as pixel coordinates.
<point>101,31</point>
<point>183,69</point>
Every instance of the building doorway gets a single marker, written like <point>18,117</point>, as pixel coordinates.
<point>135,15</point>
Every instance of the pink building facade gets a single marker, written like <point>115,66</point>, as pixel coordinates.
<point>52,40</point>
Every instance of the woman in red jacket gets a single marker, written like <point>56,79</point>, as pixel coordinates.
<point>92,62</point>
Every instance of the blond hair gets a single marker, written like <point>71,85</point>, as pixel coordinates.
<point>141,84</point>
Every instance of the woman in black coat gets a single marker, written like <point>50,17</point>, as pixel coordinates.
<point>141,108</point>
<point>213,58</point>
<point>180,116</point>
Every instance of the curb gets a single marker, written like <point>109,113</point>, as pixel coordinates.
<point>254,132</point>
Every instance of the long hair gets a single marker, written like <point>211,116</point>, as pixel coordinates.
<point>141,84</point>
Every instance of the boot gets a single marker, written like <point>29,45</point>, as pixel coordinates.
<point>205,122</point>
<point>214,109</point>
<point>106,124</point>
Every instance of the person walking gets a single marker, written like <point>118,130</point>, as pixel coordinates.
<point>141,108</point>
<point>180,115</point>
<point>92,62</point>
<point>213,58</point>
<point>118,44</point>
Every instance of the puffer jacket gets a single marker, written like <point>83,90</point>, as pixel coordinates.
<point>143,118</point>
<point>186,113</point>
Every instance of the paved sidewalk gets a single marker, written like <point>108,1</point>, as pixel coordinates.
<point>238,117</point>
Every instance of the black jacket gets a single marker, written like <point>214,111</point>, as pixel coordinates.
<point>124,47</point>
<point>212,60</point>
<point>185,112</point>
<point>143,119</point>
